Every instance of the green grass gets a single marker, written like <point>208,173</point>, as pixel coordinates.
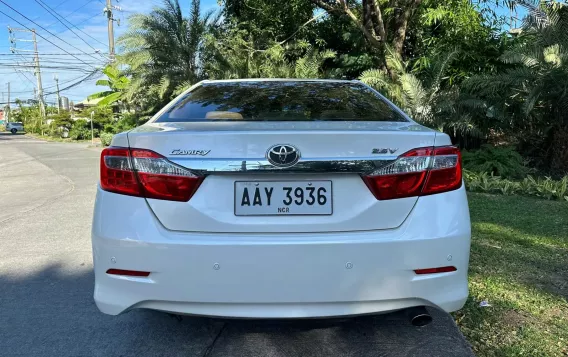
<point>60,140</point>
<point>519,264</point>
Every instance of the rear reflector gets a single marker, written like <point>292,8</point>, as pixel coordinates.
<point>144,173</point>
<point>435,270</point>
<point>418,172</point>
<point>128,272</point>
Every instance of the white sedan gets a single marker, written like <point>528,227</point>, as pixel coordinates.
<point>281,199</point>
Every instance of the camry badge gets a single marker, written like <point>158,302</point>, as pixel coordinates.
<point>190,152</point>
<point>283,155</point>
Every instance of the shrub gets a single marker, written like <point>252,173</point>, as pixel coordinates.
<point>496,161</point>
<point>546,188</point>
<point>106,138</point>
<point>80,123</point>
<point>78,133</point>
<point>109,128</point>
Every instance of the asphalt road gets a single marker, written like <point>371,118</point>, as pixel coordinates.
<point>46,284</point>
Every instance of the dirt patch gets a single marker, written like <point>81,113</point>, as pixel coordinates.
<point>515,319</point>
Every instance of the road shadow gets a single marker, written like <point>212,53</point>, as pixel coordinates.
<point>8,135</point>
<point>51,313</point>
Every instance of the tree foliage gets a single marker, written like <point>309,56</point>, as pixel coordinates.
<point>451,65</point>
<point>162,51</point>
<point>533,92</point>
<point>118,84</point>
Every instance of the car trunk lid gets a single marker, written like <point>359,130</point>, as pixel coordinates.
<point>331,152</point>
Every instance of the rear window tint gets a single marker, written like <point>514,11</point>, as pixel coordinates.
<point>281,101</point>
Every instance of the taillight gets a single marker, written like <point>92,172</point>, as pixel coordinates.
<point>144,173</point>
<point>128,272</point>
<point>418,172</point>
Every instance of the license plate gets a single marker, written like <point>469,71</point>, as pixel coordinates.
<point>274,198</point>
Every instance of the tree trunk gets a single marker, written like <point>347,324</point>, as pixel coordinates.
<point>377,18</point>
<point>559,150</point>
<point>367,21</point>
<point>401,18</point>
<point>372,24</point>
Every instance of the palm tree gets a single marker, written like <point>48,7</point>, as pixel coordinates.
<point>231,55</point>
<point>118,84</point>
<point>161,50</point>
<point>534,90</point>
<point>425,99</point>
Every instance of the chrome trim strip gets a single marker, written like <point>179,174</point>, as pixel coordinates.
<point>306,165</point>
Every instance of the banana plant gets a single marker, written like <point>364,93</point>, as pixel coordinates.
<point>118,84</point>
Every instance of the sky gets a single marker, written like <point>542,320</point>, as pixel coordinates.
<point>88,35</point>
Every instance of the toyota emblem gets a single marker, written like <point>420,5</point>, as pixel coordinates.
<point>283,155</point>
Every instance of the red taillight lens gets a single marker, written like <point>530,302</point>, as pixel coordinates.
<point>116,172</point>
<point>418,172</point>
<point>128,272</point>
<point>447,269</point>
<point>144,173</point>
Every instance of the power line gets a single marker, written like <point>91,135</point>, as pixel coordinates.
<point>61,68</point>
<point>21,75</point>
<point>52,86</point>
<point>58,16</point>
<point>68,61</point>
<point>86,78</point>
<point>27,18</point>
<point>24,74</point>
<point>52,54</point>
<point>61,3</point>
<point>80,7</point>
<point>74,11</point>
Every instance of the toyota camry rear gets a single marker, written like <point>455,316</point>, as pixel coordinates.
<point>280,199</point>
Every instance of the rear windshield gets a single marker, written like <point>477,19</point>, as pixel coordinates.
<point>280,101</point>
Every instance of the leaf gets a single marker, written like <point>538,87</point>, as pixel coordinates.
<point>108,100</point>
<point>103,82</point>
<point>376,79</point>
<point>99,95</point>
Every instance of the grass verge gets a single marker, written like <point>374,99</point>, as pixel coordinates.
<point>519,264</point>
<point>60,140</point>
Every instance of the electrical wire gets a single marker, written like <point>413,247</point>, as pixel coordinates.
<point>86,78</point>
<point>21,75</point>
<point>49,60</point>
<point>27,18</point>
<point>67,69</point>
<point>24,74</point>
<point>67,62</point>
<point>51,54</point>
<point>74,11</point>
<point>58,16</point>
<point>61,3</point>
<point>51,86</point>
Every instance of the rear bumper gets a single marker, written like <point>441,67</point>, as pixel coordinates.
<point>280,275</point>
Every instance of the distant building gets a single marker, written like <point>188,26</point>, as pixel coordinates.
<point>87,103</point>
<point>65,103</point>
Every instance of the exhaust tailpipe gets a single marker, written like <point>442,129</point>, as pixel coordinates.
<point>418,316</point>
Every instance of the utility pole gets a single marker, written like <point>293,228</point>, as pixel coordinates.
<point>92,130</point>
<point>8,111</point>
<point>108,11</point>
<point>38,75</point>
<point>58,97</point>
<point>37,68</point>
